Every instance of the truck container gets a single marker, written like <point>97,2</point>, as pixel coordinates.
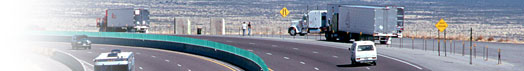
<point>362,22</point>
<point>124,20</point>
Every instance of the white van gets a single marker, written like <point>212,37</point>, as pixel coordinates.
<point>363,52</point>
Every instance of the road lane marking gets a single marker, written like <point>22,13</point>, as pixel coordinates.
<point>166,60</point>
<point>250,50</point>
<point>229,41</point>
<point>315,52</point>
<point>137,52</point>
<point>335,56</point>
<point>401,61</point>
<point>187,54</point>
<point>302,62</point>
<point>89,52</point>
<point>179,65</point>
<point>274,45</point>
<point>74,57</point>
<point>316,68</point>
<point>368,68</point>
<point>188,69</point>
<point>140,68</point>
<point>153,56</point>
<point>295,48</point>
<point>286,57</point>
<point>269,54</point>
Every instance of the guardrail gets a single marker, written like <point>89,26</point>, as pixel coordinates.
<point>168,42</point>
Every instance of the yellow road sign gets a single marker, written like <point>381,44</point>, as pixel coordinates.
<point>441,25</point>
<point>284,12</point>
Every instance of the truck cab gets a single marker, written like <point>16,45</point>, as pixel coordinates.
<point>363,52</point>
<point>312,22</point>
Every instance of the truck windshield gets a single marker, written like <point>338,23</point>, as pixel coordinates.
<point>365,48</point>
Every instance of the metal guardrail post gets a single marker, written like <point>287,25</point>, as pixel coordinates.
<point>499,61</point>
<point>412,43</point>
<point>487,53</point>
<point>475,50</point>
<point>463,46</point>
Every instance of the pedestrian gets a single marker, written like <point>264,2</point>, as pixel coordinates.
<point>244,27</point>
<point>249,28</point>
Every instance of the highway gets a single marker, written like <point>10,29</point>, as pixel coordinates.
<point>290,56</point>
<point>147,59</point>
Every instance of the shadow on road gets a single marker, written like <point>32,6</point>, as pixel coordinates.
<point>353,65</point>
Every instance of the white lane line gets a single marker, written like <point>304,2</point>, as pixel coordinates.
<point>250,50</point>
<point>286,57</point>
<point>368,68</point>
<point>302,62</point>
<point>401,61</point>
<point>269,54</point>
<point>316,68</point>
<point>188,69</point>
<point>179,65</point>
<point>140,68</point>
<point>315,52</point>
<point>166,60</point>
<point>89,52</point>
<point>137,52</point>
<point>295,48</point>
<point>274,45</point>
<point>153,56</point>
<point>252,43</point>
<point>335,56</point>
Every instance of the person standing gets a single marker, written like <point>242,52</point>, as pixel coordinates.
<point>244,27</point>
<point>249,28</point>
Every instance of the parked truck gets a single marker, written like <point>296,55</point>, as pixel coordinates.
<point>312,22</point>
<point>124,20</point>
<point>361,22</point>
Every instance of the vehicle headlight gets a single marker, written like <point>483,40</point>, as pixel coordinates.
<point>88,41</point>
<point>78,42</point>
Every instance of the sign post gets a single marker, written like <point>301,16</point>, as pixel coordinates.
<point>441,26</point>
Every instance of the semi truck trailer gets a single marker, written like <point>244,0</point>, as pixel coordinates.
<point>124,20</point>
<point>362,22</point>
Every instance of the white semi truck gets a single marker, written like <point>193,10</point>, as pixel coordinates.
<point>115,61</point>
<point>361,22</point>
<point>312,22</point>
<point>124,20</point>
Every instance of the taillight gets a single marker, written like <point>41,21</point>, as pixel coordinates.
<point>374,57</point>
<point>358,58</point>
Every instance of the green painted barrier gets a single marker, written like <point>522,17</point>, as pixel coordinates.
<point>205,43</point>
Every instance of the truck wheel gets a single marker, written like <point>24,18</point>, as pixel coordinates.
<point>383,42</point>
<point>292,32</point>
<point>374,63</point>
<point>353,62</point>
<point>328,36</point>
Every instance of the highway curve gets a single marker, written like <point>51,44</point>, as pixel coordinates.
<point>147,59</point>
<point>290,56</point>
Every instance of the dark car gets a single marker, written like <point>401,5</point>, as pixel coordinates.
<point>80,41</point>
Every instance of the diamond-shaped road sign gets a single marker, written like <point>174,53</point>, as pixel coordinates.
<point>284,12</point>
<point>441,25</point>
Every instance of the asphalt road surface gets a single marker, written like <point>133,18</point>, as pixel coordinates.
<point>290,56</point>
<point>147,59</point>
